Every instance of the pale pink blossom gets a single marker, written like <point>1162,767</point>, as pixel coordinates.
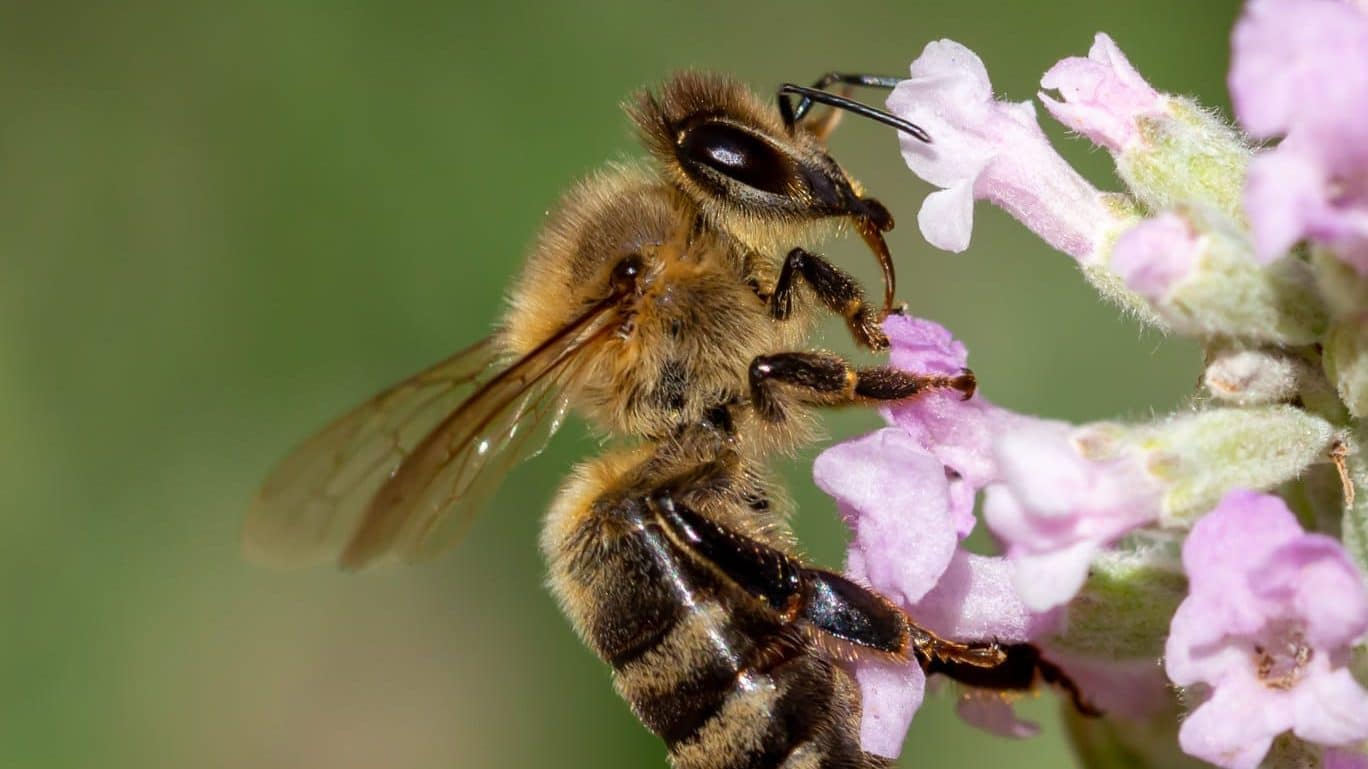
<point>1302,65</point>
<point>1303,190</point>
<point>985,149</point>
<point>1267,627</point>
<point>1056,508</point>
<point>1155,255</point>
<point>906,492</point>
<point>1299,69</point>
<point>992,713</point>
<point>895,497</point>
<point>1343,759</point>
<point>1102,96</point>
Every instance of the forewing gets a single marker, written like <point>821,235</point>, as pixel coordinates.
<point>440,486</point>
<point>312,502</point>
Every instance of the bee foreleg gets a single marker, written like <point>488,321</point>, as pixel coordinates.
<point>827,379</point>
<point>835,289</point>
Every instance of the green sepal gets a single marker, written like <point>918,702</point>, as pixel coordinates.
<point>1186,156</point>
<point>1124,608</point>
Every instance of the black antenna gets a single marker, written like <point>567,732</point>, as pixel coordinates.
<point>850,105</point>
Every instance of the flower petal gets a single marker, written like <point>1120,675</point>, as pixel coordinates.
<point>984,149</point>
<point>1103,95</point>
<point>1301,63</point>
<point>1317,581</point>
<point>976,598</point>
<point>891,694</point>
<point>1228,544</point>
<point>1331,708</point>
<point>1155,255</point>
<point>1194,652</point>
<point>1050,579</point>
<point>946,217</point>
<point>1229,729</point>
<point>1343,759</point>
<point>894,496</point>
<point>990,712</point>
<point>1284,190</point>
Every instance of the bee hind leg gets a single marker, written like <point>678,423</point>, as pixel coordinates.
<point>846,617</point>
<point>1022,669</point>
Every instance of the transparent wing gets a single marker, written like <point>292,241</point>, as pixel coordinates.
<point>435,493</point>
<point>408,489</point>
<point>312,501</point>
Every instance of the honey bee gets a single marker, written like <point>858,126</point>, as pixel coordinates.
<point>666,303</point>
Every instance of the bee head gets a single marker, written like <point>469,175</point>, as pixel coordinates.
<point>734,157</point>
<point>754,171</point>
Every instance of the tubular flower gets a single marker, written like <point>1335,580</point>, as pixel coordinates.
<point>985,149</point>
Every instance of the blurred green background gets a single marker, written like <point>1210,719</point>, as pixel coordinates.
<point>222,223</point>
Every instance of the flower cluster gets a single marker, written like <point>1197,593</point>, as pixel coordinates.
<point>1159,567</point>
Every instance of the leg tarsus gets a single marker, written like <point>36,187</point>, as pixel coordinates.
<point>974,654</point>
<point>1021,669</point>
<point>825,379</point>
<point>891,384</point>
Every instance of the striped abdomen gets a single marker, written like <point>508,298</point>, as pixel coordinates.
<point>719,677</point>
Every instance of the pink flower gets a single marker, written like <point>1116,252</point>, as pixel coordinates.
<point>1343,759</point>
<point>1057,508</point>
<point>1307,190</point>
<point>1155,255</point>
<point>958,433</point>
<point>1302,65</point>
<point>1102,96</point>
<point>896,498</point>
<point>989,150</point>
<point>1268,623</point>
<point>908,496</point>
<point>908,492</point>
<point>1300,69</point>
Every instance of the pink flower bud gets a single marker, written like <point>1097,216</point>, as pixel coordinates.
<point>1102,96</point>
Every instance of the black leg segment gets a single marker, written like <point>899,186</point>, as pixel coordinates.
<point>844,615</point>
<point>827,602</point>
<point>825,379</point>
<point>1021,670</point>
<point>834,288</point>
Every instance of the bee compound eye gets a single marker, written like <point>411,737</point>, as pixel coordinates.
<point>626,271</point>
<point>737,154</point>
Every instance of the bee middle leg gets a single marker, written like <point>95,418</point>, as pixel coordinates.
<point>847,616</point>
<point>826,379</point>
<point>835,289</point>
